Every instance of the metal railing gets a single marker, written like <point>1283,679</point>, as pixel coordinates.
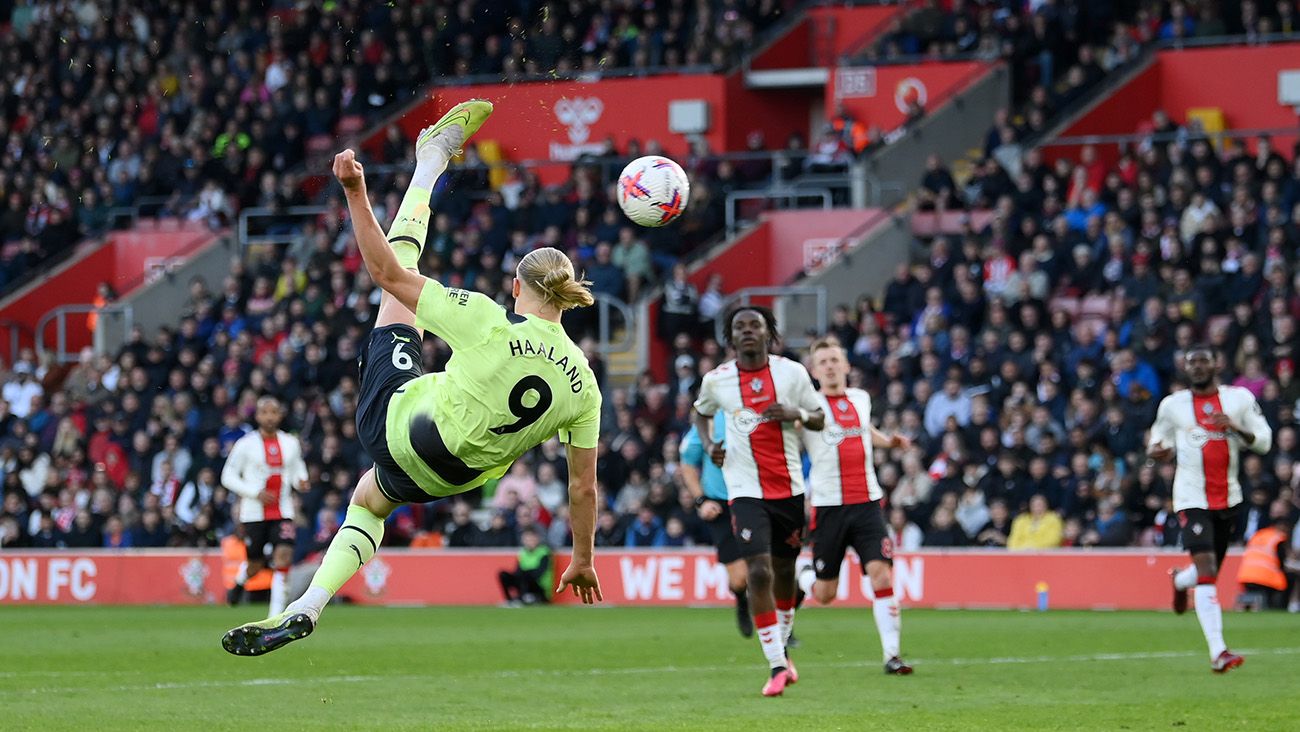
<point>246,216</point>
<point>124,314</point>
<point>15,330</point>
<point>606,329</point>
<point>1185,134</point>
<point>780,301</point>
<point>775,193</point>
<point>137,210</point>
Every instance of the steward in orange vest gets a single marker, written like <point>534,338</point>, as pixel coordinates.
<point>234,561</point>
<point>1261,565</point>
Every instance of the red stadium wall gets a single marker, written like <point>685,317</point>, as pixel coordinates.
<point>563,119</point>
<point>832,31</point>
<point>877,95</point>
<point>775,113</point>
<point>124,260</point>
<point>1122,580</point>
<point>1184,79</point>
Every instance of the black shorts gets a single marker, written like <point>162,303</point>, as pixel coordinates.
<point>723,538</point>
<point>858,525</point>
<point>390,358</point>
<point>257,534</point>
<point>764,526</point>
<point>1208,530</point>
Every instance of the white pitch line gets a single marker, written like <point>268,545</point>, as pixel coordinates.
<point>533,673</point>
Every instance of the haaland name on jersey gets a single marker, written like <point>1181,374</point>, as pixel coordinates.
<point>525,349</point>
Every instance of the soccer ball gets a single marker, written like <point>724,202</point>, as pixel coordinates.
<point>653,190</point>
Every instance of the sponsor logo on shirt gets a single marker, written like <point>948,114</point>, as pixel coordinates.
<point>747,420</point>
<point>1199,436</point>
<point>833,434</point>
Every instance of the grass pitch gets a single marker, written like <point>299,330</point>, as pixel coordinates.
<point>105,669</point>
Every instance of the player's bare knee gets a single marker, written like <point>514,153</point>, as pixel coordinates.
<point>760,574</point>
<point>880,575</point>
<point>1206,566</point>
<point>824,591</point>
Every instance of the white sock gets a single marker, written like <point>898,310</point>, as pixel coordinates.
<point>785,619</point>
<point>1211,617</point>
<point>427,171</point>
<point>242,575</point>
<point>889,622</point>
<point>1185,578</point>
<point>806,579</point>
<point>769,636</point>
<point>312,602</point>
<point>279,591</point>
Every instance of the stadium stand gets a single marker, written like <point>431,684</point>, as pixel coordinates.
<point>1023,353</point>
<point>197,109</point>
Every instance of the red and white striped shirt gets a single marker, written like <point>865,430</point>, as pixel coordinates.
<point>762,456</point>
<point>257,464</point>
<point>842,470</point>
<point>1206,476</point>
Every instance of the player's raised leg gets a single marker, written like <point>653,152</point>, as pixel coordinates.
<point>737,582</point>
<point>434,148</point>
<point>355,543</point>
<point>1183,580</point>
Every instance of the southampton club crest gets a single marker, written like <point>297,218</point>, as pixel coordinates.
<point>195,575</point>
<point>756,386</point>
<point>375,574</point>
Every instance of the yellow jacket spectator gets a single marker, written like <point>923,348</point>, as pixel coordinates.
<point>1040,528</point>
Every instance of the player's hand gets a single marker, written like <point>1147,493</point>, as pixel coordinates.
<point>900,442</point>
<point>709,510</point>
<point>303,486</point>
<point>349,171</point>
<point>718,454</point>
<point>780,413</point>
<point>1161,454</point>
<point>266,498</point>
<point>582,578</point>
<point>1221,422</point>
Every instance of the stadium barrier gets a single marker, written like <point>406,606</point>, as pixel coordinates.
<point>1113,579</point>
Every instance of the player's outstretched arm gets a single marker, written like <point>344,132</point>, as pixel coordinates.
<point>581,574</point>
<point>381,261</point>
<point>880,439</point>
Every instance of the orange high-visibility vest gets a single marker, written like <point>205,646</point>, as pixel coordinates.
<point>859,137</point>
<point>1260,565</point>
<point>233,556</point>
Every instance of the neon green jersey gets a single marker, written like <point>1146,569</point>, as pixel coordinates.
<point>512,382</point>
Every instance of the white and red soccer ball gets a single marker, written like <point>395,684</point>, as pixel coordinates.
<point>653,190</point>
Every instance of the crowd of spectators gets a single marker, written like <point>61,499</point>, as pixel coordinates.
<point>1034,348</point>
<point>1024,359</point>
<point>199,109</point>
